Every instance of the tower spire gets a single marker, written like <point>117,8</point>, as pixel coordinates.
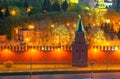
<point>80,27</point>
<point>79,46</point>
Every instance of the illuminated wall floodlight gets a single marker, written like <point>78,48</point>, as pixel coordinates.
<point>43,48</point>
<point>116,48</point>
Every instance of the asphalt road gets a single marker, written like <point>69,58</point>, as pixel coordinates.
<point>107,75</point>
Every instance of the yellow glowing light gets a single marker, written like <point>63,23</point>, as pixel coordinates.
<point>95,49</point>
<point>13,12</point>
<point>28,9</point>
<point>116,48</point>
<point>107,20</point>
<point>32,50</point>
<point>119,22</point>
<point>68,24</point>
<point>27,40</point>
<point>6,50</point>
<point>94,24</point>
<point>43,48</point>
<point>3,10</point>
<point>31,26</point>
<point>74,1</point>
<point>107,43</point>
<point>52,26</point>
<point>74,25</point>
<point>16,30</point>
<point>98,24</point>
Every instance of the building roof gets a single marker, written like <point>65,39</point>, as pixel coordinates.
<point>24,29</point>
<point>80,27</point>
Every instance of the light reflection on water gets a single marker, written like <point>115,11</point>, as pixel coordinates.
<point>66,76</point>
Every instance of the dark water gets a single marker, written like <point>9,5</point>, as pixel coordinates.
<point>67,76</point>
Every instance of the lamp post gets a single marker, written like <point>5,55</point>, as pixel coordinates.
<point>92,64</point>
<point>30,65</point>
<point>106,61</point>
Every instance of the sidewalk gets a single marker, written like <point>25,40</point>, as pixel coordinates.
<point>56,68</point>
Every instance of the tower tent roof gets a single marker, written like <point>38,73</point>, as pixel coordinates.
<point>80,27</point>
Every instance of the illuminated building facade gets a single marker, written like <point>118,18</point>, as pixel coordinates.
<point>3,38</point>
<point>80,47</point>
<point>30,36</point>
<point>26,35</point>
<point>75,55</point>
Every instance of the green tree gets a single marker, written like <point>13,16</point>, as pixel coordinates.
<point>77,8</point>
<point>26,4</point>
<point>56,6</point>
<point>46,6</point>
<point>61,35</point>
<point>7,13</point>
<point>1,14</point>
<point>65,5</point>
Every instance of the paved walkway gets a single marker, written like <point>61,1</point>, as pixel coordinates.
<point>57,68</point>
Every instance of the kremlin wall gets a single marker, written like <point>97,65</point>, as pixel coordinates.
<point>79,52</point>
<point>49,54</point>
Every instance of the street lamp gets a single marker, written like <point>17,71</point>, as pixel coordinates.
<point>92,64</point>
<point>31,63</point>
<point>106,49</point>
<point>106,61</point>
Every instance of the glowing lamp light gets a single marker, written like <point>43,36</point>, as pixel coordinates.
<point>43,48</point>
<point>112,48</point>
<point>48,48</point>
<point>28,9</point>
<point>6,50</point>
<point>95,49</point>
<point>3,10</point>
<point>119,22</point>
<point>74,25</point>
<point>13,12</point>
<point>105,49</point>
<point>27,39</point>
<point>52,26</point>
<point>116,48</point>
<point>44,11</point>
<point>107,44</point>
<point>31,26</point>
<point>94,24</point>
<point>68,24</point>
<point>58,49</point>
<point>107,20</point>
<point>98,24</point>
<point>32,50</point>
<point>61,48</point>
